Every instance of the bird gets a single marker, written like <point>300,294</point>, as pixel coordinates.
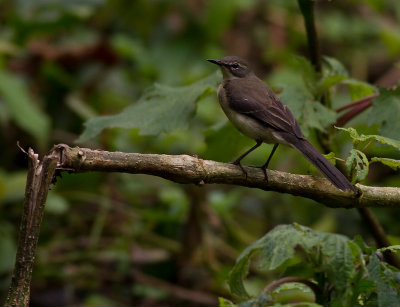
<point>258,113</point>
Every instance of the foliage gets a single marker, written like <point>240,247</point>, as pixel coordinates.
<point>344,272</point>
<point>20,107</point>
<point>357,163</point>
<point>386,112</point>
<point>161,109</point>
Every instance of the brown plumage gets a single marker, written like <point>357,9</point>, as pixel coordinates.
<point>258,113</point>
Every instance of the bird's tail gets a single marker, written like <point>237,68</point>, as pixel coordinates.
<point>320,162</point>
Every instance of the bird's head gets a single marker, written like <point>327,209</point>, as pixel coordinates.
<point>233,67</point>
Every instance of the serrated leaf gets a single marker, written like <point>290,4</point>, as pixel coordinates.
<point>310,76</point>
<point>22,108</point>
<point>362,245</point>
<point>309,113</point>
<point>333,67</point>
<point>357,165</point>
<point>328,82</point>
<point>386,112</point>
<point>393,248</point>
<point>334,73</point>
<point>362,137</point>
<point>392,163</point>
<point>160,109</point>
<point>387,286</point>
<point>329,253</point>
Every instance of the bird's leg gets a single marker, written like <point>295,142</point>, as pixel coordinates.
<point>264,167</point>
<point>237,161</point>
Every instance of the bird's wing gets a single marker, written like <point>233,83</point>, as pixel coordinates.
<point>252,97</point>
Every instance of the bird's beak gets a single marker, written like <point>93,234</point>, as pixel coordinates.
<point>218,62</point>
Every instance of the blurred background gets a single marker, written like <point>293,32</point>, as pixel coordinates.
<point>124,240</point>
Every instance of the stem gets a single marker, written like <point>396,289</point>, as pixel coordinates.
<point>307,9</point>
<point>379,235</point>
<point>39,179</point>
<point>345,118</point>
<point>367,145</point>
<point>357,102</point>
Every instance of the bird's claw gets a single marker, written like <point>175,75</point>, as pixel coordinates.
<point>241,167</point>
<point>264,169</point>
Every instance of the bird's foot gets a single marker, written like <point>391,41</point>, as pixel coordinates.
<point>264,169</point>
<point>236,162</point>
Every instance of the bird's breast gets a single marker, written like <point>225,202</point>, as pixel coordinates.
<point>245,124</point>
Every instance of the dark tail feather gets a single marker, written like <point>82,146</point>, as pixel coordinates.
<point>320,162</point>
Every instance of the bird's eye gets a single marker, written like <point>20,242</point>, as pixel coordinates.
<point>235,65</point>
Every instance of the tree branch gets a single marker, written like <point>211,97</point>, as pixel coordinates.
<point>188,169</point>
<point>40,176</point>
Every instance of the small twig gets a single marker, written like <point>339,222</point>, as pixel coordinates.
<point>345,118</point>
<point>20,148</point>
<point>379,235</point>
<point>367,145</point>
<point>357,102</point>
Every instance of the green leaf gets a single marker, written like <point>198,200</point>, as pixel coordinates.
<point>357,165</point>
<point>362,138</point>
<point>392,163</point>
<point>386,280</point>
<point>22,108</point>
<point>160,109</point>
<point>331,157</point>
<point>386,112</point>
<point>363,246</point>
<point>333,67</point>
<point>334,73</point>
<point>393,248</point>
<point>310,114</point>
<point>328,82</point>
<point>310,76</point>
<point>287,245</point>
<point>359,89</point>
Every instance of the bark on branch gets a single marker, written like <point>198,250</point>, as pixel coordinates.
<point>40,175</point>
<point>190,169</point>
